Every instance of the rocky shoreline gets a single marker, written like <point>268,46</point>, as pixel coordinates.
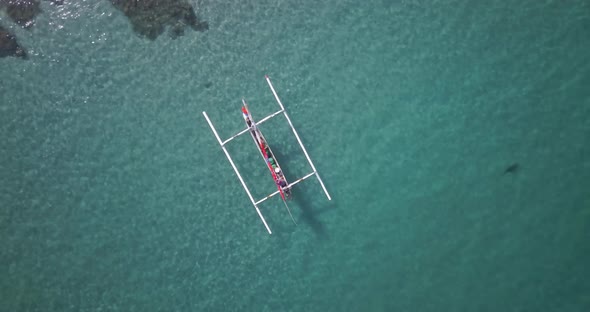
<point>148,18</point>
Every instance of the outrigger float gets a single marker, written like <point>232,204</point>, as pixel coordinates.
<point>283,187</point>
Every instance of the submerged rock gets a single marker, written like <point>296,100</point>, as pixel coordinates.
<point>23,12</point>
<point>9,46</point>
<point>150,18</point>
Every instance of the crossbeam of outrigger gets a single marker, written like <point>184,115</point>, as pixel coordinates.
<point>283,187</point>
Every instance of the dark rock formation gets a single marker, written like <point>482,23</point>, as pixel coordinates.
<point>150,18</point>
<point>9,46</point>
<point>23,12</point>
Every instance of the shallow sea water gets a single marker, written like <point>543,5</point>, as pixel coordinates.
<point>115,196</point>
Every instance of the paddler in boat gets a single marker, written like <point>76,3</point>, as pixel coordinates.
<point>280,181</point>
<point>247,117</point>
<point>264,147</point>
<point>283,185</point>
<point>281,177</point>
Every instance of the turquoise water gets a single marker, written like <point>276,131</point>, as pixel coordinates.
<point>115,195</point>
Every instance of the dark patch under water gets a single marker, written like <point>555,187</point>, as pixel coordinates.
<point>9,46</point>
<point>512,168</point>
<point>150,18</point>
<point>23,12</point>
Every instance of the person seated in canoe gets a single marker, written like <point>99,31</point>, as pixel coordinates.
<point>282,183</point>
<point>247,117</point>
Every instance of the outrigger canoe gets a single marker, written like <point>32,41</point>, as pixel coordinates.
<point>269,158</point>
<point>283,187</point>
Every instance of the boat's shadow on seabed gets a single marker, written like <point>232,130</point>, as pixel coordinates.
<point>308,212</point>
<point>309,216</point>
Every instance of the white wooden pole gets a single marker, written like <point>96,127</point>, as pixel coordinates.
<point>237,172</point>
<point>297,136</point>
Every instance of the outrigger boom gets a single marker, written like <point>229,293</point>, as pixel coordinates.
<point>284,188</point>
